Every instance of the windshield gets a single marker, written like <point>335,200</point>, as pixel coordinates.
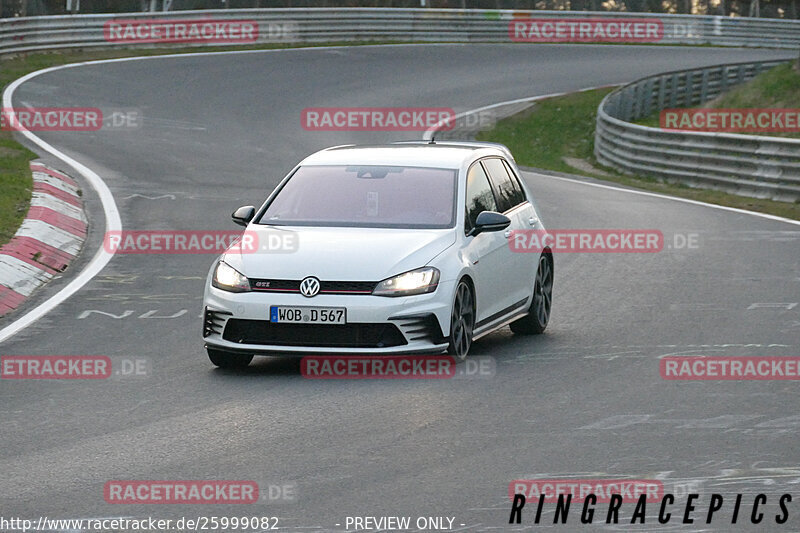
<point>365,196</point>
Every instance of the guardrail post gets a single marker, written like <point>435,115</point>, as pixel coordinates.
<point>723,81</point>
<point>648,98</point>
<point>627,105</point>
<point>673,93</point>
<point>637,102</point>
<point>688,86</point>
<point>697,86</point>
<point>704,86</point>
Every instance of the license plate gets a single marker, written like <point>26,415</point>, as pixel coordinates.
<point>308,315</point>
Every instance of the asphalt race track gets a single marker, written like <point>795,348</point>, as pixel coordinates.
<point>584,400</point>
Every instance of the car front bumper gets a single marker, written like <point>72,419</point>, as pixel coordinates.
<point>376,325</point>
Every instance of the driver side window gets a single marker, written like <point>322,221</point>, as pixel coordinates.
<point>479,195</point>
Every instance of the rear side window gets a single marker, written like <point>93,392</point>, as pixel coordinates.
<point>479,195</point>
<point>509,192</point>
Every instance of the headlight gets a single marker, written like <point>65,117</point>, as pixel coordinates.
<point>419,281</point>
<point>229,279</point>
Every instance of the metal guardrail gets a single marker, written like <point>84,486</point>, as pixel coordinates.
<point>749,165</point>
<point>392,24</point>
<point>765,166</point>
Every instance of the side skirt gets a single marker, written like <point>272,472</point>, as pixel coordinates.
<point>516,311</point>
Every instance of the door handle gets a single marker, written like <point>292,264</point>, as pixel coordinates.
<point>507,234</point>
<point>533,221</point>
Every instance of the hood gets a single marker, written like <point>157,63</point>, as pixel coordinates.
<point>338,254</point>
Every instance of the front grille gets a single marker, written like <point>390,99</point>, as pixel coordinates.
<point>326,287</point>
<point>213,321</point>
<point>421,327</point>
<point>313,335</point>
<point>360,287</point>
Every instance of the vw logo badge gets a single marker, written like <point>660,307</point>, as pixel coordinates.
<point>309,287</point>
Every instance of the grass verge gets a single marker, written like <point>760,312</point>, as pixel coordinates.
<point>16,185</point>
<point>563,127</point>
<point>778,87</point>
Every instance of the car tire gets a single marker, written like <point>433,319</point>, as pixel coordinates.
<point>535,322</point>
<point>227,359</point>
<point>462,321</point>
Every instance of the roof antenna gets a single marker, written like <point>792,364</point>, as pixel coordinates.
<point>433,135</point>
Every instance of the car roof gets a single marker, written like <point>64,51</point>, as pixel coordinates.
<point>447,154</point>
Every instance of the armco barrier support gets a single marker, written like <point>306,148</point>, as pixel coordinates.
<point>749,165</point>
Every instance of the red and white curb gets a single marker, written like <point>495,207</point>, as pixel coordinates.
<point>48,239</point>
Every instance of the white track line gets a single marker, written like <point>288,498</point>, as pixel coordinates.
<point>113,222</point>
<point>436,127</point>
<point>667,197</point>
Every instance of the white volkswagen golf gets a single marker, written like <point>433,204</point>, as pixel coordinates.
<point>393,249</point>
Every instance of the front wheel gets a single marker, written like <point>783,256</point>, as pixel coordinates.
<point>462,322</point>
<point>227,359</point>
<point>538,315</point>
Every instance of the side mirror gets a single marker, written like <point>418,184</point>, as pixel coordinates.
<point>488,221</point>
<point>244,215</point>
